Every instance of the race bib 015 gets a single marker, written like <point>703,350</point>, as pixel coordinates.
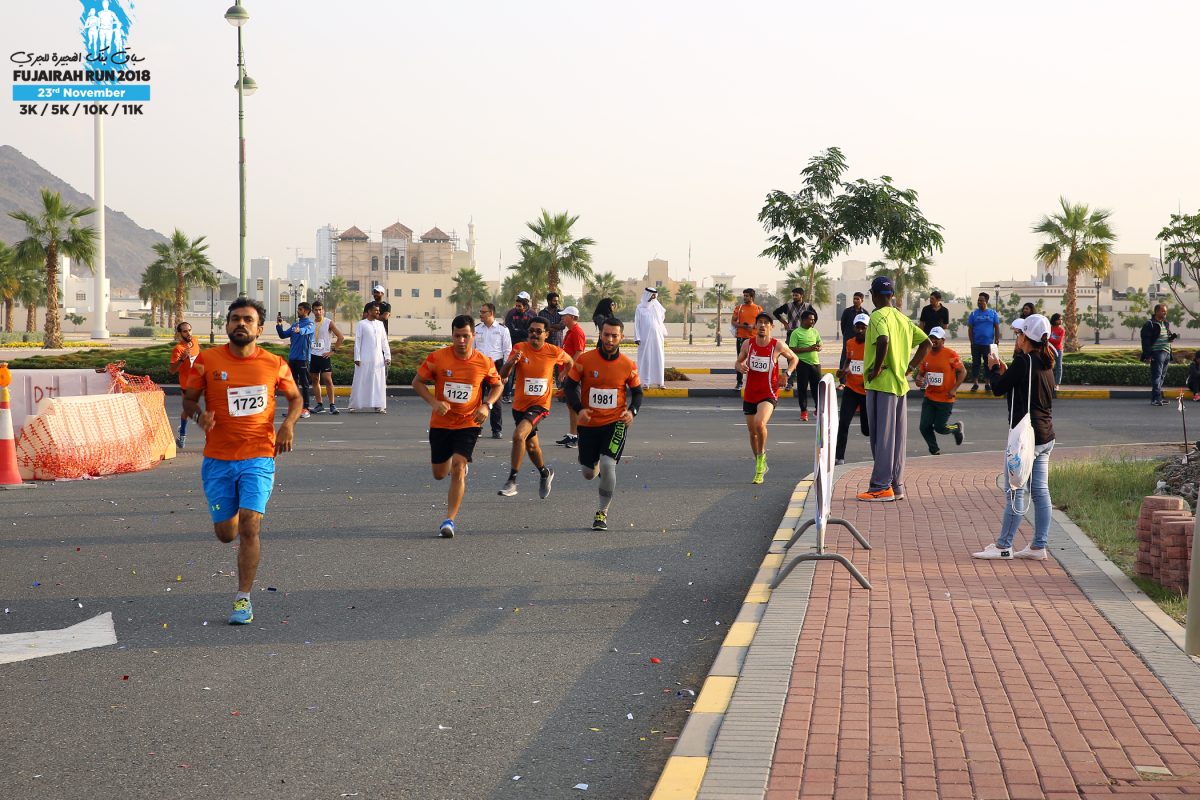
<point>856,368</point>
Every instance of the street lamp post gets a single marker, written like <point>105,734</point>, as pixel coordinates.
<point>212,316</point>
<point>237,16</point>
<point>720,287</point>
<point>1096,319</point>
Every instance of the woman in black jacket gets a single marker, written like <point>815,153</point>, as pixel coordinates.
<point>604,310</point>
<point>1034,392</point>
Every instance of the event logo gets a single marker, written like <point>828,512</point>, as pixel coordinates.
<point>106,71</point>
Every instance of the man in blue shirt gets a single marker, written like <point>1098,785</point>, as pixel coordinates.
<point>301,334</point>
<point>983,329</point>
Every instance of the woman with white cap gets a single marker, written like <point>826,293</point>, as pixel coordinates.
<point>1028,386</point>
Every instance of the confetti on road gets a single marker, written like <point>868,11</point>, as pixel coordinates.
<point>655,661</point>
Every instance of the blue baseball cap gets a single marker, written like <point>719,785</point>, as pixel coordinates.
<point>882,285</point>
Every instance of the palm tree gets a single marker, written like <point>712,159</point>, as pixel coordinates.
<point>713,297</point>
<point>907,274</point>
<point>555,249</point>
<point>32,294</point>
<point>664,296</point>
<point>469,289</point>
<point>157,290</point>
<point>186,260</point>
<point>337,293</point>
<point>821,294</point>
<point>599,286</point>
<point>1086,240</point>
<point>12,275</point>
<point>686,297</point>
<point>52,230</point>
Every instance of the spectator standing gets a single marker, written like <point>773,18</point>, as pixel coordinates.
<point>1156,349</point>
<point>789,314</point>
<point>854,396</point>
<point>574,343</point>
<point>553,315</point>
<point>604,310</point>
<point>743,323</point>
<point>650,331</point>
<point>1193,379</point>
<point>385,308</point>
<point>517,321</point>
<point>1058,335</point>
<point>494,341</point>
<point>300,352</point>
<point>940,375</point>
<point>1027,311</point>
<point>890,339</point>
<point>805,342</point>
<point>934,315</point>
<point>372,356</point>
<point>1028,385</point>
<point>983,331</point>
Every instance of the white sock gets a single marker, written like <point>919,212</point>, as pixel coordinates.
<point>241,596</point>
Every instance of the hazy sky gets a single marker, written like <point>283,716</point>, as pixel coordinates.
<point>659,123</point>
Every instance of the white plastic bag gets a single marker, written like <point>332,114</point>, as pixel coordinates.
<point>1019,454</point>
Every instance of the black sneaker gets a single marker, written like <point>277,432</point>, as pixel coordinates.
<point>565,440</point>
<point>959,432</point>
<point>509,489</point>
<point>573,443</point>
<point>544,486</point>
<point>497,435</point>
<point>975,387</point>
<point>600,523</point>
<point>319,408</point>
<point>333,410</point>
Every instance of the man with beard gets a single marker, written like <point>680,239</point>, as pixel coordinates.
<point>182,357</point>
<point>238,383</point>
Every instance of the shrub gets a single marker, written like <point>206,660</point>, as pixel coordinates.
<point>146,332</point>
<point>1114,373</point>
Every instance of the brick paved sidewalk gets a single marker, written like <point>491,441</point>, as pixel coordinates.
<point>960,678</point>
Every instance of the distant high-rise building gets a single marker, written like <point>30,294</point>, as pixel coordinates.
<point>304,269</point>
<point>326,268</point>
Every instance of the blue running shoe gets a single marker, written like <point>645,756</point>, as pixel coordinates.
<point>243,613</point>
<point>447,529</point>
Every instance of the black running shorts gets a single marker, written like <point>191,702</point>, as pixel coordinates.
<point>605,440</point>
<point>534,414</point>
<point>750,409</point>
<point>447,442</point>
<point>318,365</point>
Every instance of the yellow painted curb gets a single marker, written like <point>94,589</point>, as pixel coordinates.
<point>666,392</point>
<point>694,370</point>
<point>1085,394</point>
<point>715,694</point>
<point>759,593</point>
<point>804,484</point>
<point>740,634</point>
<point>681,778</point>
<point>783,534</point>
<point>773,560</point>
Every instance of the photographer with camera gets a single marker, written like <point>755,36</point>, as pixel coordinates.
<point>1156,349</point>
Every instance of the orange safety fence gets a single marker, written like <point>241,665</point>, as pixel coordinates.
<point>95,435</point>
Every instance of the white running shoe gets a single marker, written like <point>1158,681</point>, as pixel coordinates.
<point>991,551</point>
<point>1029,552</point>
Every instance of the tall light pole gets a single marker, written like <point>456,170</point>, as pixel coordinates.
<point>237,16</point>
<point>720,287</point>
<point>1096,319</point>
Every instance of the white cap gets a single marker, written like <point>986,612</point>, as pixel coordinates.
<point>523,295</point>
<point>937,332</point>
<point>865,319</point>
<point>1018,324</point>
<point>570,310</point>
<point>1036,327</point>
<point>379,288</point>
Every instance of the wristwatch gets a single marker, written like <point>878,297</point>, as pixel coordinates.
<point>489,406</point>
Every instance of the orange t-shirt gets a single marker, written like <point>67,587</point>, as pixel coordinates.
<point>743,318</point>
<point>602,385</point>
<point>853,376</point>
<point>241,393</point>
<point>534,384</point>
<point>458,381</point>
<point>940,370</point>
<point>185,369</point>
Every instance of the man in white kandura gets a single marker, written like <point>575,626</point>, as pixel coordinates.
<point>650,330</point>
<point>371,359</point>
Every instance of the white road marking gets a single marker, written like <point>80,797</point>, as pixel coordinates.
<point>697,442</point>
<point>95,632</point>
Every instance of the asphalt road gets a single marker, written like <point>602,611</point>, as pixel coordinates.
<point>388,663</point>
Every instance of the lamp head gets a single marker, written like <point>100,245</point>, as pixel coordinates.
<point>247,84</point>
<point>237,15</point>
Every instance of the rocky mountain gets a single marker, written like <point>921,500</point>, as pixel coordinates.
<point>128,246</point>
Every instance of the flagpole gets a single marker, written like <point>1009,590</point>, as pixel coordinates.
<point>100,285</point>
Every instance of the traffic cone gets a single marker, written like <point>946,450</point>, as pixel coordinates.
<point>9,476</point>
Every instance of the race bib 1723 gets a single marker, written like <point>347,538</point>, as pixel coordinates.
<point>458,393</point>
<point>246,401</point>
<point>602,398</point>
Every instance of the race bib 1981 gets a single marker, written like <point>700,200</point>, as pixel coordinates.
<point>459,393</point>
<point>760,364</point>
<point>602,398</point>
<point>246,401</point>
<point>535,387</point>
<point>856,368</point>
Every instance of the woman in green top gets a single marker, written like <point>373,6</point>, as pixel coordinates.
<point>805,342</point>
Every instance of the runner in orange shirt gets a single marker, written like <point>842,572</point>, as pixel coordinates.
<point>465,387</point>
<point>940,375</point>
<point>854,395</point>
<point>535,362</point>
<point>743,320</point>
<point>597,387</point>
<point>182,356</point>
<point>238,383</point>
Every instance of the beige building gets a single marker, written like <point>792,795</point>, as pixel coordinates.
<point>417,273</point>
<point>657,275</point>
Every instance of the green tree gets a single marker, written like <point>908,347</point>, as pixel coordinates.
<point>1138,312</point>
<point>821,293</point>
<point>32,294</point>
<point>75,319</point>
<point>470,289</point>
<point>664,295</point>
<point>53,229</point>
<point>13,274</point>
<point>1181,241</point>
<point>597,287</point>
<point>718,298</point>
<point>1084,239</point>
<point>188,263</point>
<point>686,297</point>
<point>555,249</point>
<point>908,276</point>
<point>157,289</point>
<point>829,215</point>
<point>1095,319</point>
<point>338,294</point>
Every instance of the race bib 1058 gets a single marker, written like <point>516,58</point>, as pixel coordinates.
<point>933,378</point>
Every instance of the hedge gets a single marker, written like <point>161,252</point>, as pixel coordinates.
<point>147,332</point>
<point>22,336</point>
<point>1090,373</point>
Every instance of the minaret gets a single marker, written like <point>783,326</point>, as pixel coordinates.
<point>471,242</point>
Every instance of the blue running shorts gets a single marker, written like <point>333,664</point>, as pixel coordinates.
<point>230,485</point>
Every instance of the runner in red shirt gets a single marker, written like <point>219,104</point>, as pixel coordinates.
<point>758,361</point>
<point>574,343</point>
